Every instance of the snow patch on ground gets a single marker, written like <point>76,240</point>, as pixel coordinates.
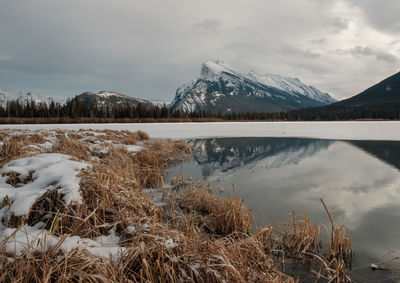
<point>133,148</point>
<point>46,145</point>
<point>170,244</point>
<point>49,171</point>
<point>28,240</point>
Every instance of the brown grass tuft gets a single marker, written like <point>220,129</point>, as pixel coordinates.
<point>18,138</point>
<point>149,168</point>
<point>169,151</point>
<point>221,216</point>
<point>71,147</point>
<point>36,138</point>
<point>142,135</point>
<point>53,266</point>
<point>10,150</point>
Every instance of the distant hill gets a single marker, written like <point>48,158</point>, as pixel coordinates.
<point>222,88</point>
<point>383,94</point>
<point>112,98</point>
<point>381,101</point>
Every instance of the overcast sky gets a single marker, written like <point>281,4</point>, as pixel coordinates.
<point>148,48</point>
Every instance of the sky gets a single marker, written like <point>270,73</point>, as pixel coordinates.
<point>148,48</point>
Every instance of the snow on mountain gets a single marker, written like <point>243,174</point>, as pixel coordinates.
<point>6,96</point>
<point>23,98</point>
<point>112,98</point>
<point>160,103</point>
<point>293,86</point>
<point>102,98</point>
<point>223,88</point>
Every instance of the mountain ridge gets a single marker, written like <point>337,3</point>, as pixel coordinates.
<point>112,98</point>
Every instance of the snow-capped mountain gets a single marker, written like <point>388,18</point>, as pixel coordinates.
<point>23,98</point>
<point>6,96</point>
<point>223,88</point>
<point>112,98</point>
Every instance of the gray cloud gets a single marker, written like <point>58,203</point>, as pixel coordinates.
<point>209,25</point>
<point>289,49</point>
<point>149,48</point>
<point>318,41</point>
<point>359,50</point>
<point>383,15</point>
<point>338,24</point>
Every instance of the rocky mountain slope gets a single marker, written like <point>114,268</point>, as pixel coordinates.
<point>222,88</point>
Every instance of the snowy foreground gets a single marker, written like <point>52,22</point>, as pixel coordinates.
<point>39,173</point>
<point>363,130</point>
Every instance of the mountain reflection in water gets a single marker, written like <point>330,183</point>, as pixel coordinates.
<point>230,153</point>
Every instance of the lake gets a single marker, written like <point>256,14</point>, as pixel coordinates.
<point>358,180</point>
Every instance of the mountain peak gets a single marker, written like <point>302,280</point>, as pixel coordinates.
<point>222,87</point>
<point>212,70</point>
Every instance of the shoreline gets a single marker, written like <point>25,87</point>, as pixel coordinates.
<point>334,130</point>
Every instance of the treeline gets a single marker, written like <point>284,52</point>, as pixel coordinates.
<point>77,108</point>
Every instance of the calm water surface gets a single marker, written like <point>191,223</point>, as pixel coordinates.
<point>358,180</point>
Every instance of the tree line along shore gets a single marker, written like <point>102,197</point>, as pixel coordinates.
<point>77,110</point>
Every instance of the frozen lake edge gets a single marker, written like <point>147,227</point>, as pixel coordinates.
<point>354,130</point>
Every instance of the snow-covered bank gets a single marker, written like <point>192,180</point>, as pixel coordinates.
<point>48,171</point>
<point>363,130</point>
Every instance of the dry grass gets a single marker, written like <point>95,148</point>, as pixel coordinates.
<point>149,168</point>
<point>201,238</point>
<point>191,260</point>
<point>303,241</point>
<point>143,135</point>
<point>36,138</point>
<point>111,188</point>
<point>53,266</point>
<point>71,147</point>
<point>113,199</point>
<point>10,150</point>
<point>221,216</point>
<point>169,151</point>
<point>152,258</point>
